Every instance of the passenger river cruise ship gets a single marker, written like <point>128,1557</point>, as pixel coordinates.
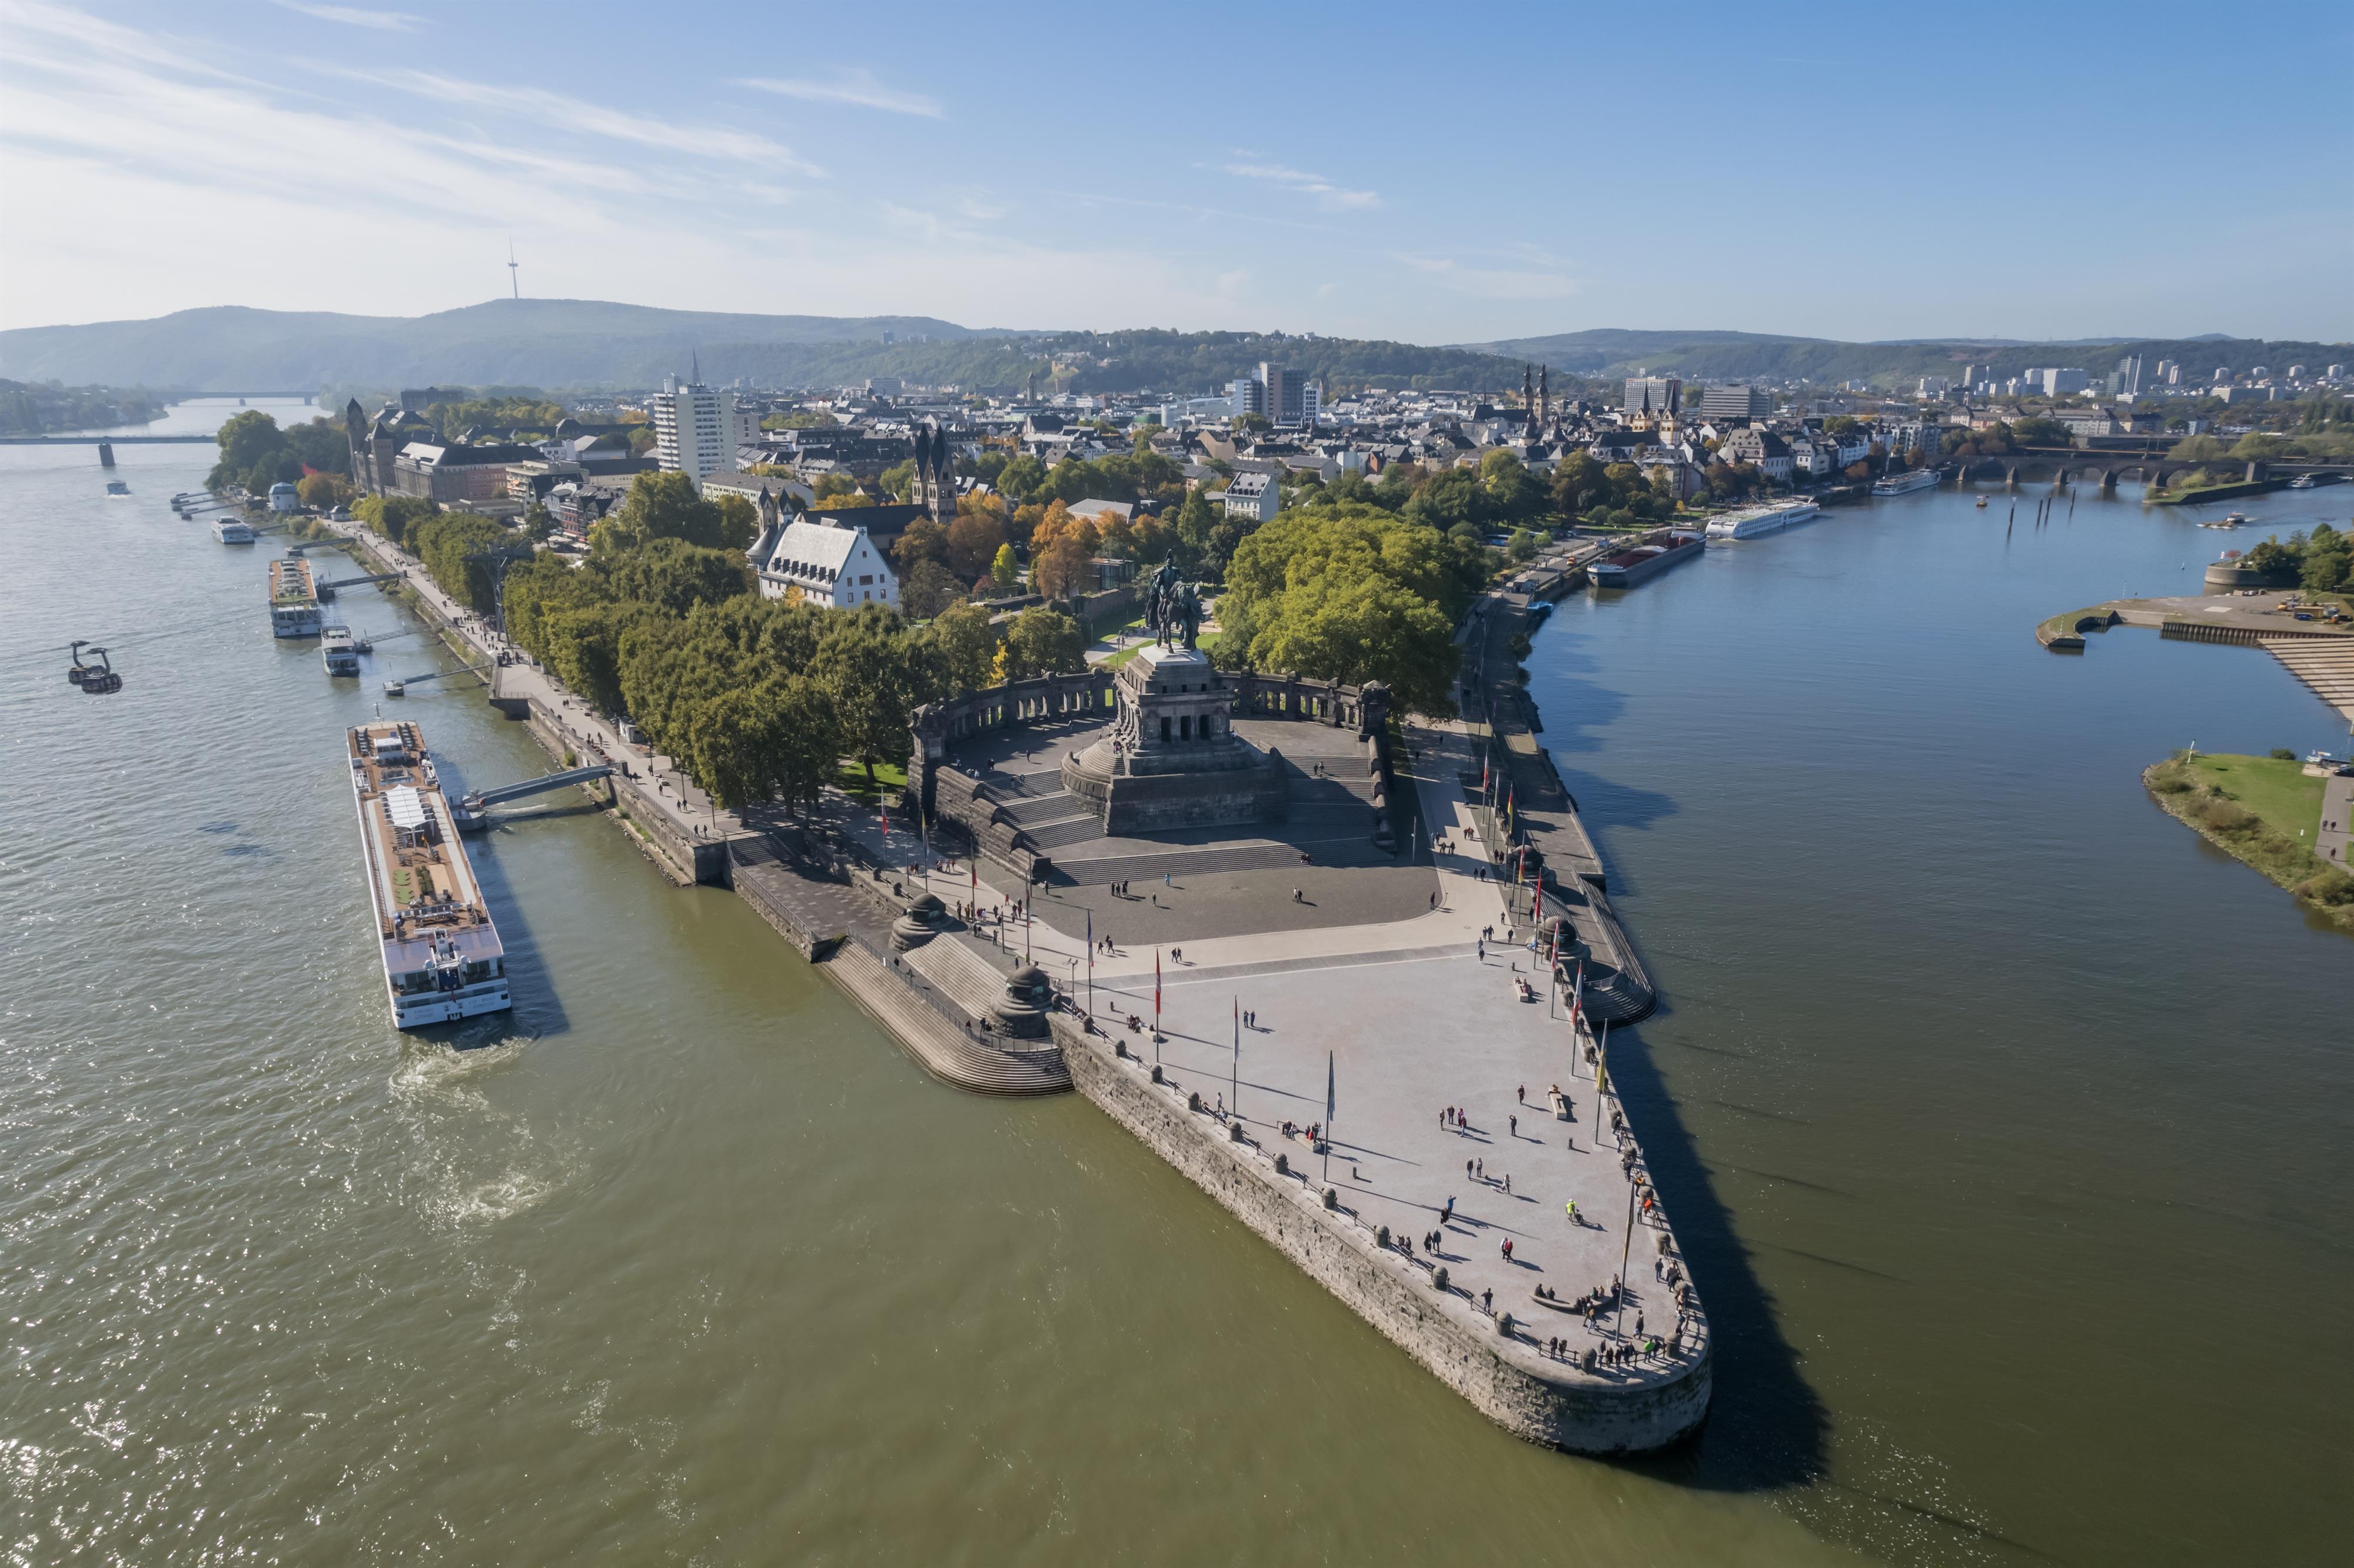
<point>1904,484</point>
<point>1752,521</point>
<point>293,598</point>
<point>442,958</point>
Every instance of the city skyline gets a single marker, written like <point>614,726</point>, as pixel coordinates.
<point>323,157</point>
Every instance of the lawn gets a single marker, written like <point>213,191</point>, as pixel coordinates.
<point>893,778</point>
<point>2278,791</point>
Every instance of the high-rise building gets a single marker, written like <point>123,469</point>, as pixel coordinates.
<point>1738,405</point>
<point>694,429</point>
<point>2126,381</point>
<point>1248,396</point>
<point>2059,383</point>
<point>1311,402</point>
<point>1286,396</point>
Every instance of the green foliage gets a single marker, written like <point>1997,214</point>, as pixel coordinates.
<point>1354,593</point>
<point>1004,569</point>
<point>1044,642</point>
<point>964,647</point>
<point>872,674</point>
<point>392,515</point>
<point>33,407</point>
<point>667,507</point>
<point>459,551</point>
<point>2039,432</point>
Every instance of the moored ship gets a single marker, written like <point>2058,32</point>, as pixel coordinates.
<point>294,599</point>
<point>338,651</point>
<point>442,956</point>
<point>1904,484</point>
<point>232,530</point>
<point>1628,567</point>
<point>1752,521</point>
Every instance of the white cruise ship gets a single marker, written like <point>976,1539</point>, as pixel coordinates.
<point>232,530</point>
<point>339,651</point>
<point>442,958</point>
<point>1752,521</point>
<point>1904,484</point>
<point>294,599</point>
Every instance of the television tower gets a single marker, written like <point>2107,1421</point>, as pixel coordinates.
<point>514,278</point>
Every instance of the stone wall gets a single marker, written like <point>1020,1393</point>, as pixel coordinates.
<point>1449,1336</point>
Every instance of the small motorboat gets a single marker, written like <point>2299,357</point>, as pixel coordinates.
<point>1981,503</point>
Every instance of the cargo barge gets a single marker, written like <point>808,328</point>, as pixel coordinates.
<point>1644,562</point>
<point>294,599</point>
<point>442,958</point>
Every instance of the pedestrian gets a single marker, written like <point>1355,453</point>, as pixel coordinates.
<point>1524,1093</point>
<point>1515,1122</point>
<point>1483,1170</point>
<point>1639,1324</point>
<point>1508,1183</point>
<point>1572,1207</point>
<point>1508,1249</point>
<point>1467,1171</point>
<point>1487,1300</point>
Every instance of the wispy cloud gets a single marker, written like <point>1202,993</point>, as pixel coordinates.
<point>356,16</point>
<point>1328,195</point>
<point>578,115</point>
<point>1537,280</point>
<point>854,86</point>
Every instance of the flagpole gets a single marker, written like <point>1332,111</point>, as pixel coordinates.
<point>1234,1073</point>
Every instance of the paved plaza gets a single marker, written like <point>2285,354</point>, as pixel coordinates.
<point>1384,970</point>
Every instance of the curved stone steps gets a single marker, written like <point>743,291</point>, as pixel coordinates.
<point>968,979</point>
<point>945,1052</point>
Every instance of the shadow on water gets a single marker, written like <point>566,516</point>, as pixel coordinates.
<point>538,1010</point>
<point>1766,1428</point>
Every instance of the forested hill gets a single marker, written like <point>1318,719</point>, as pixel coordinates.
<point>549,342</point>
<point>588,343</point>
<point>1740,356</point>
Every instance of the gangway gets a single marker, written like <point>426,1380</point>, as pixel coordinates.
<point>327,590</point>
<point>471,812</point>
<point>398,684</point>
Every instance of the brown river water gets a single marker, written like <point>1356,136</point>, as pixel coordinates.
<point>2005,1121</point>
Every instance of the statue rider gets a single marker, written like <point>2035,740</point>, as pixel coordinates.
<point>1161,597</point>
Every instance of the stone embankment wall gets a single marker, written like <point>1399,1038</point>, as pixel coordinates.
<point>1448,1334</point>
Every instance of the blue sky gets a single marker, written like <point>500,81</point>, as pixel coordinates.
<point>1436,173</point>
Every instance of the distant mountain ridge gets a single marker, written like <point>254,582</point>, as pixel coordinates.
<point>560,343</point>
<point>540,342</point>
<point>1612,352</point>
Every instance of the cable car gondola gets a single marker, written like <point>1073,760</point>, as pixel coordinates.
<point>97,679</point>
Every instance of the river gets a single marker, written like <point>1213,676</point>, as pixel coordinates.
<point>2005,1121</point>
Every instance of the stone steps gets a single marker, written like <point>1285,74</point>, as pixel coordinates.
<point>1062,830</point>
<point>967,977</point>
<point>944,1051</point>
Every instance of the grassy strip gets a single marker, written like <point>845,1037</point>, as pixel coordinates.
<point>2229,801</point>
<point>890,776</point>
<point>2065,625</point>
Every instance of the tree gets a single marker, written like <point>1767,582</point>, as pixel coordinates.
<point>898,480</point>
<point>1514,493</point>
<point>251,449</point>
<point>1066,565</point>
<point>462,552</point>
<point>1523,545</point>
<point>1449,498</point>
<point>666,506</point>
<point>675,576</point>
<point>320,490</point>
<point>964,647</point>
<point>975,540</point>
<point>923,540</point>
<point>739,522</point>
<point>1354,593</point>
<point>2039,432</point>
<point>1004,570</point>
<point>930,589</point>
<point>864,666</point>
<point>1044,642</point>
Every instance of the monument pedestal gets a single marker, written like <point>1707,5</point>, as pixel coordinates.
<point>1172,759</point>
